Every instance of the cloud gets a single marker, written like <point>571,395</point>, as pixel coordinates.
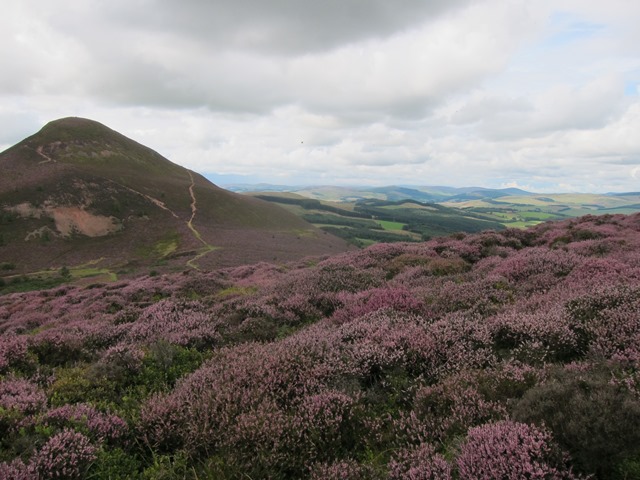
<point>357,59</point>
<point>561,107</point>
<point>416,92</point>
<point>281,27</point>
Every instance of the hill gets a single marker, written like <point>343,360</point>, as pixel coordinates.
<point>369,221</point>
<point>80,195</point>
<point>511,354</point>
<point>509,207</point>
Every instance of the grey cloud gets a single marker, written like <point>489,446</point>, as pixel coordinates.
<point>255,56</point>
<point>281,26</point>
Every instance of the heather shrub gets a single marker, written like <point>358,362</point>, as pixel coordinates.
<point>22,403</point>
<point>452,343</point>
<point>98,426</point>
<point>13,352</point>
<point>507,381</point>
<point>405,261</point>
<point>21,396</point>
<point>607,322</point>
<point>484,295</point>
<point>325,426</point>
<point>164,363</point>
<point>510,451</point>
<point>357,305</point>
<point>448,409</point>
<point>15,470</point>
<point>56,347</point>
<point>187,324</point>
<point>419,463</point>
<point>332,276</point>
<point>67,455</point>
<point>595,420</point>
<point>441,267</point>
<point>535,338</point>
<point>119,363</point>
<point>252,329</point>
<point>404,361</point>
<point>343,470</point>
<point>379,342</point>
<point>537,268</point>
<point>202,286</point>
<point>259,442</point>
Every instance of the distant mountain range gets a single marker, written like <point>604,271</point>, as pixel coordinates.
<point>434,194</point>
<point>78,194</point>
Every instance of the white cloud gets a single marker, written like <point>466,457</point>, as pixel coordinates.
<point>488,93</point>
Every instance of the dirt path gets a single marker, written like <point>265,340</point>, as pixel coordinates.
<point>155,201</point>
<point>46,157</point>
<point>206,247</point>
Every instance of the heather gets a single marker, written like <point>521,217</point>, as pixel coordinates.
<point>511,354</point>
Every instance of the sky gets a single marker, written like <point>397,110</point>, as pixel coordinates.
<point>537,94</point>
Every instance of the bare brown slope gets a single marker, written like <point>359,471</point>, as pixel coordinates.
<point>79,192</point>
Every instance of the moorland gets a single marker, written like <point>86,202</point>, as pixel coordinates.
<point>156,326</point>
<point>501,354</point>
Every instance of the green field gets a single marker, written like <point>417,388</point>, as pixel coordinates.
<point>392,226</point>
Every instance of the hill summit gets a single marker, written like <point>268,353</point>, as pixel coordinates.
<point>79,193</point>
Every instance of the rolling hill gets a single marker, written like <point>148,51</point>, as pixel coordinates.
<point>509,207</point>
<point>80,195</point>
<point>369,221</point>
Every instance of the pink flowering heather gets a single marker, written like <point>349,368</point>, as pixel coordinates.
<point>123,356</point>
<point>13,350</point>
<point>608,319</point>
<point>538,268</point>
<point>382,340</point>
<point>101,426</point>
<point>323,425</point>
<point>510,451</point>
<point>21,395</point>
<point>264,428</point>
<point>407,361</point>
<point>66,455</point>
<point>16,470</point>
<point>536,337</point>
<point>342,470</point>
<point>185,324</point>
<point>356,305</point>
<point>419,463</point>
<point>445,409</point>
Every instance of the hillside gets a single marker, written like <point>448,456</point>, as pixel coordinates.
<point>511,354</point>
<point>369,221</point>
<point>510,207</point>
<point>80,195</point>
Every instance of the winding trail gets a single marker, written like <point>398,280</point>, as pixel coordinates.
<point>206,247</point>
<point>46,157</point>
